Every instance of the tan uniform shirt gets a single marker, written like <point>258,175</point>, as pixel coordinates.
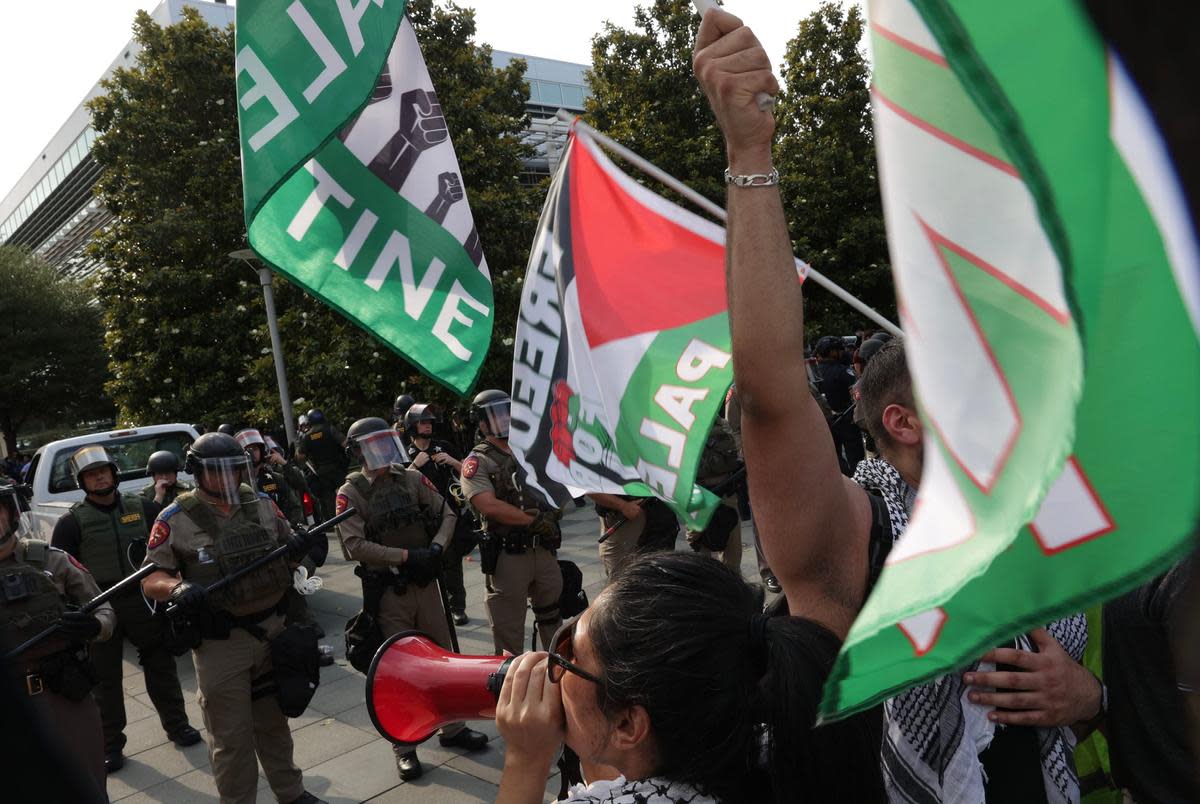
<point>478,470</point>
<point>374,555</point>
<point>176,542</point>
<point>73,582</point>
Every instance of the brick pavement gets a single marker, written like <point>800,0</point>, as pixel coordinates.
<point>343,758</point>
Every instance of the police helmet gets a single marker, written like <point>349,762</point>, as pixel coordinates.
<point>829,344</point>
<point>227,429</point>
<point>219,465</point>
<point>8,499</point>
<point>418,413</point>
<point>490,409</point>
<point>375,443</point>
<point>91,457</point>
<point>249,438</point>
<point>315,416</point>
<point>303,424</point>
<point>401,406</point>
<point>162,462</point>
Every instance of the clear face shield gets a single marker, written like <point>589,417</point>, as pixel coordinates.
<point>495,419</point>
<point>222,477</point>
<point>380,449</point>
<point>252,438</point>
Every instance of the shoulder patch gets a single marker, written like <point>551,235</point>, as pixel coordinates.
<point>470,467</point>
<point>427,483</point>
<point>75,561</point>
<point>159,533</point>
<point>168,512</point>
<point>343,502</point>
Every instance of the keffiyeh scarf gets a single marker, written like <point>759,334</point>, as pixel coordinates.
<point>644,791</point>
<point>933,734</point>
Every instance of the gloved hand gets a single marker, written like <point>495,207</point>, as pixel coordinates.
<point>79,626</point>
<point>424,563</point>
<point>300,542</point>
<point>545,525</point>
<point>188,596</point>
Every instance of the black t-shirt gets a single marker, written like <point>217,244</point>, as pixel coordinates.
<point>441,476</point>
<point>1147,726</point>
<point>836,380</point>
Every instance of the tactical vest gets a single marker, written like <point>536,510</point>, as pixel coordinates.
<point>272,484</point>
<point>392,516</point>
<point>324,450</point>
<point>172,492</point>
<point>29,600</point>
<point>245,536</point>
<point>506,488</point>
<point>105,537</point>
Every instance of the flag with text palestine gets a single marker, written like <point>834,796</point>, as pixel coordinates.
<point>622,352</point>
<point>352,188</point>
<point>1047,274</point>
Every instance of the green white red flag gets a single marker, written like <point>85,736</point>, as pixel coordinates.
<point>1048,279</point>
<point>352,188</point>
<point>622,352</point>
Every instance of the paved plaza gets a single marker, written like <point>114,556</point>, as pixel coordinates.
<point>343,757</point>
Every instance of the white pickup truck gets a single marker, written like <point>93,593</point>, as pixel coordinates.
<point>52,484</point>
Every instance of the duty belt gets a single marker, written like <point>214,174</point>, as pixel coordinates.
<point>517,541</point>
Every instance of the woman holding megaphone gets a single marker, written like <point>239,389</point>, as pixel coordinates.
<point>674,679</point>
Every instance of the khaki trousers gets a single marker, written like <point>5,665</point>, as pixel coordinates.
<point>239,728</point>
<point>420,609</point>
<point>617,548</point>
<point>531,576</point>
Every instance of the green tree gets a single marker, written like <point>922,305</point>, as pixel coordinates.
<point>52,364</point>
<point>643,95</point>
<point>186,325</point>
<point>826,158</point>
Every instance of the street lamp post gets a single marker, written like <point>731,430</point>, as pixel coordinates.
<point>285,399</point>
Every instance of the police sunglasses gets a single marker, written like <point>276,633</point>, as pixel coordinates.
<point>562,652</point>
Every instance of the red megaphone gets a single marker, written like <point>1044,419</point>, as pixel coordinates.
<point>415,687</point>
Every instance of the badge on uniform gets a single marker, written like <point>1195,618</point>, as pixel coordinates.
<point>202,556</point>
<point>342,504</point>
<point>316,436</point>
<point>158,534</point>
<point>125,520</point>
<point>470,467</point>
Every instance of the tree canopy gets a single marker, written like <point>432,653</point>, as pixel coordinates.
<point>52,364</point>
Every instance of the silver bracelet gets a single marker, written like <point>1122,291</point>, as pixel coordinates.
<point>753,179</point>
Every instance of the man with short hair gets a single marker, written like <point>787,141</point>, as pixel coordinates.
<point>826,545</point>
<point>107,532</point>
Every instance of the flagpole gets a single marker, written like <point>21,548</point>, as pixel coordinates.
<point>717,212</point>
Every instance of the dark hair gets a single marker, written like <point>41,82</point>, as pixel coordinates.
<point>885,381</point>
<point>673,633</point>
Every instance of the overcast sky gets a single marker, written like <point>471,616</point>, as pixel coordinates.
<point>52,52</point>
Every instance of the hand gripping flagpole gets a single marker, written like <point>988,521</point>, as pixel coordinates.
<point>717,212</point>
<point>764,100</point>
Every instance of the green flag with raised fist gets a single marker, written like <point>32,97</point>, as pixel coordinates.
<point>352,188</point>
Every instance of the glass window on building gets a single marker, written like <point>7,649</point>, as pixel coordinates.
<point>572,96</point>
<point>552,93</point>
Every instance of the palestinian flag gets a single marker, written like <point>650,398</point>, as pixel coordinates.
<point>352,188</point>
<point>1048,278</point>
<point>622,353</point>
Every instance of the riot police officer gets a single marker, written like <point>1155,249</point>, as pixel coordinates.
<point>267,479</point>
<point>399,410</point>
<point>438,461</point>
<point>38,583</point>
<point>163,470</point>
<point>205,535</point>
<point>520,536</point>
<point>323,445</point>
<point>107,532</point>
<point>398,539</point>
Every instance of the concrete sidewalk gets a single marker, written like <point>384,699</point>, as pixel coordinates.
<point>343,757</point>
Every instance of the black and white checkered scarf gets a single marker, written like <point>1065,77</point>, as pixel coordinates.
<point>934,735</point>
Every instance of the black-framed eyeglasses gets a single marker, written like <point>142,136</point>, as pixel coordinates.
<point>562,652</point>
